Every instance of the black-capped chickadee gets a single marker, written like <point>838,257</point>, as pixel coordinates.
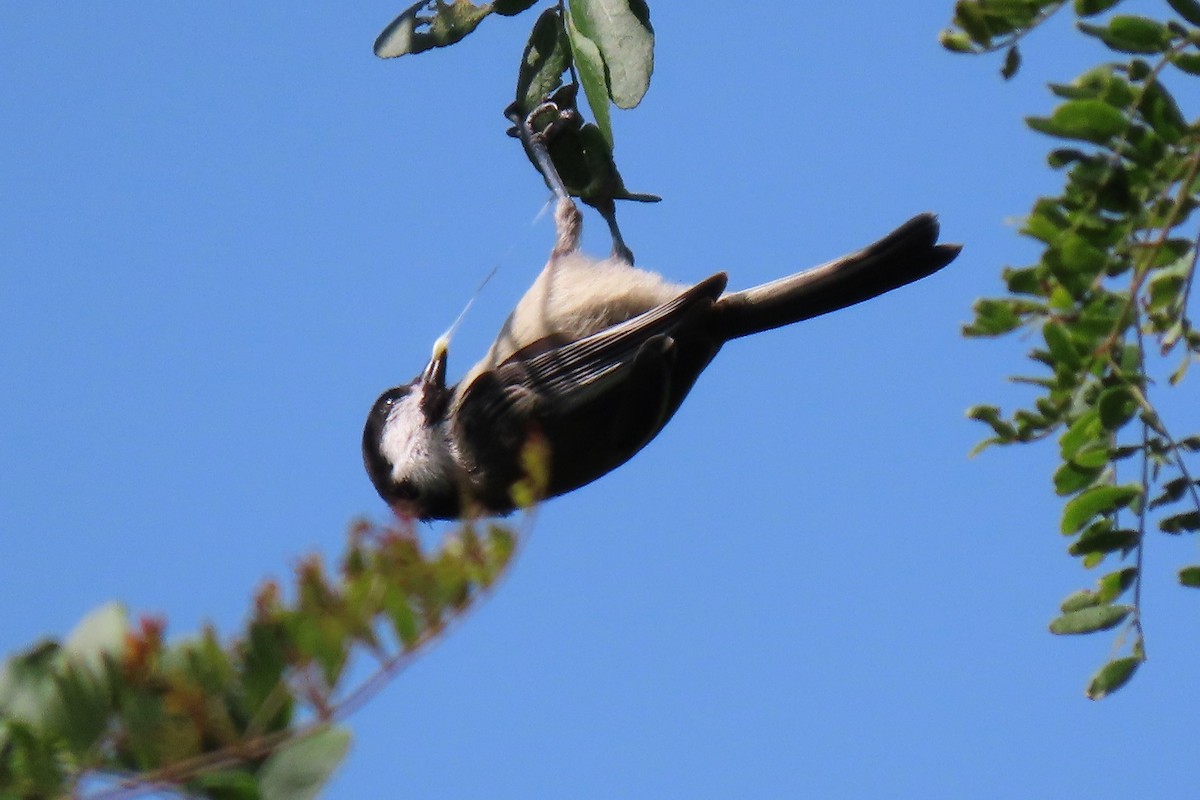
<point>593,362</point>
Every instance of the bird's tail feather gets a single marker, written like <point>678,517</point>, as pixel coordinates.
<point>907,254</point>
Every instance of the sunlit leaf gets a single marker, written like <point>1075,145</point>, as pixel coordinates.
<point>300,770</point>
<point>1130,34</point>
<point>1097,500</point>
<point>590,64</point>
<point>429,24</point>
<point>1112,676</point>
<point>1089,620</point>
<point>1088,120</point>
<point>621,32</point>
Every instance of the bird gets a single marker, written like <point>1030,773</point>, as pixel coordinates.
<point>591,364</point>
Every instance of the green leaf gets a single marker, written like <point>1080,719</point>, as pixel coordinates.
<point>1012,63</point>
<point>1071,478</point>
<point>547,55</point>
<point>429,24</point>
<point>226,784</point>
<point>1159,108</point>
<point>1058,340</point>
<point>1103,539</point>
<point>1117,406</point>
<point>955,42</point>
<point>1112,676</point>
<point>1089,120</point>
<point>1089,620</point>
<point>510,8</point>
<point>1114,584</point>
<point>1085,431</point>
<point>1079,255</point>
<point>993,318</point>
<point>85,704</point>
<point>1172,490</point>
<point>298,771</point>
<point>1095,501</point>
<point>1084,598</point>
<point>1089,8</point>
<point>1130,34</point>
<point>1187,521</point>
<point>1190,576</point>
<point>590,64</point>
<point>1188,9</point>
<point>1187,62</point>
<point>622,33</point>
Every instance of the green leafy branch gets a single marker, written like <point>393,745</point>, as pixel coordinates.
<point>606,47</point>
<point>252,718</point>
<point>1117,267</point>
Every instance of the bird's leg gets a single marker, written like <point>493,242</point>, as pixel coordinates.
<point>568,222</point>
<point>608,209</point>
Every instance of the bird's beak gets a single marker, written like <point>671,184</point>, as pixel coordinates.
<point>433,381</point>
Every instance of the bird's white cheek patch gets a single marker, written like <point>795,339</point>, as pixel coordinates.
<point>414,450</point>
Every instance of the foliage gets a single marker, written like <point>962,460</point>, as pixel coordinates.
<point>607,48</point>
<point>116,706</point>
<point>1108,299</point>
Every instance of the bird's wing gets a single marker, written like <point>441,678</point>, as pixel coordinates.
<point>565,375</point>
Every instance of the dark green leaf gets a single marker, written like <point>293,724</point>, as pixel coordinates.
<point>429,24</point>
<point>621,32</point>
<point>226,784</point>
<point>1188,9</point>
<point>547,55</point>
<point>1117,406</point>
<point>1187,521</point>
<point>510,8</point>
<point>1089,8</point>
<point>1190,576</point>
<point>1112,676</point>
<point>1159,108</point>
<point>1089,120</point>
<point>1103,539</point>
<point>85,702</point>
<point>1089,620</point>
<point>1012,63</point>
<point>300,770</point>
<point>1187,62</point>
<point>1095,501</point>
<point>1172,490</point>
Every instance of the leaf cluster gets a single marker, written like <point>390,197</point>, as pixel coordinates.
<point>1107,299</point>
<point>605,46</point>
<point>252,718</point>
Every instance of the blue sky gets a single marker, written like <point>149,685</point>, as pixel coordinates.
<point>224,230</point>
